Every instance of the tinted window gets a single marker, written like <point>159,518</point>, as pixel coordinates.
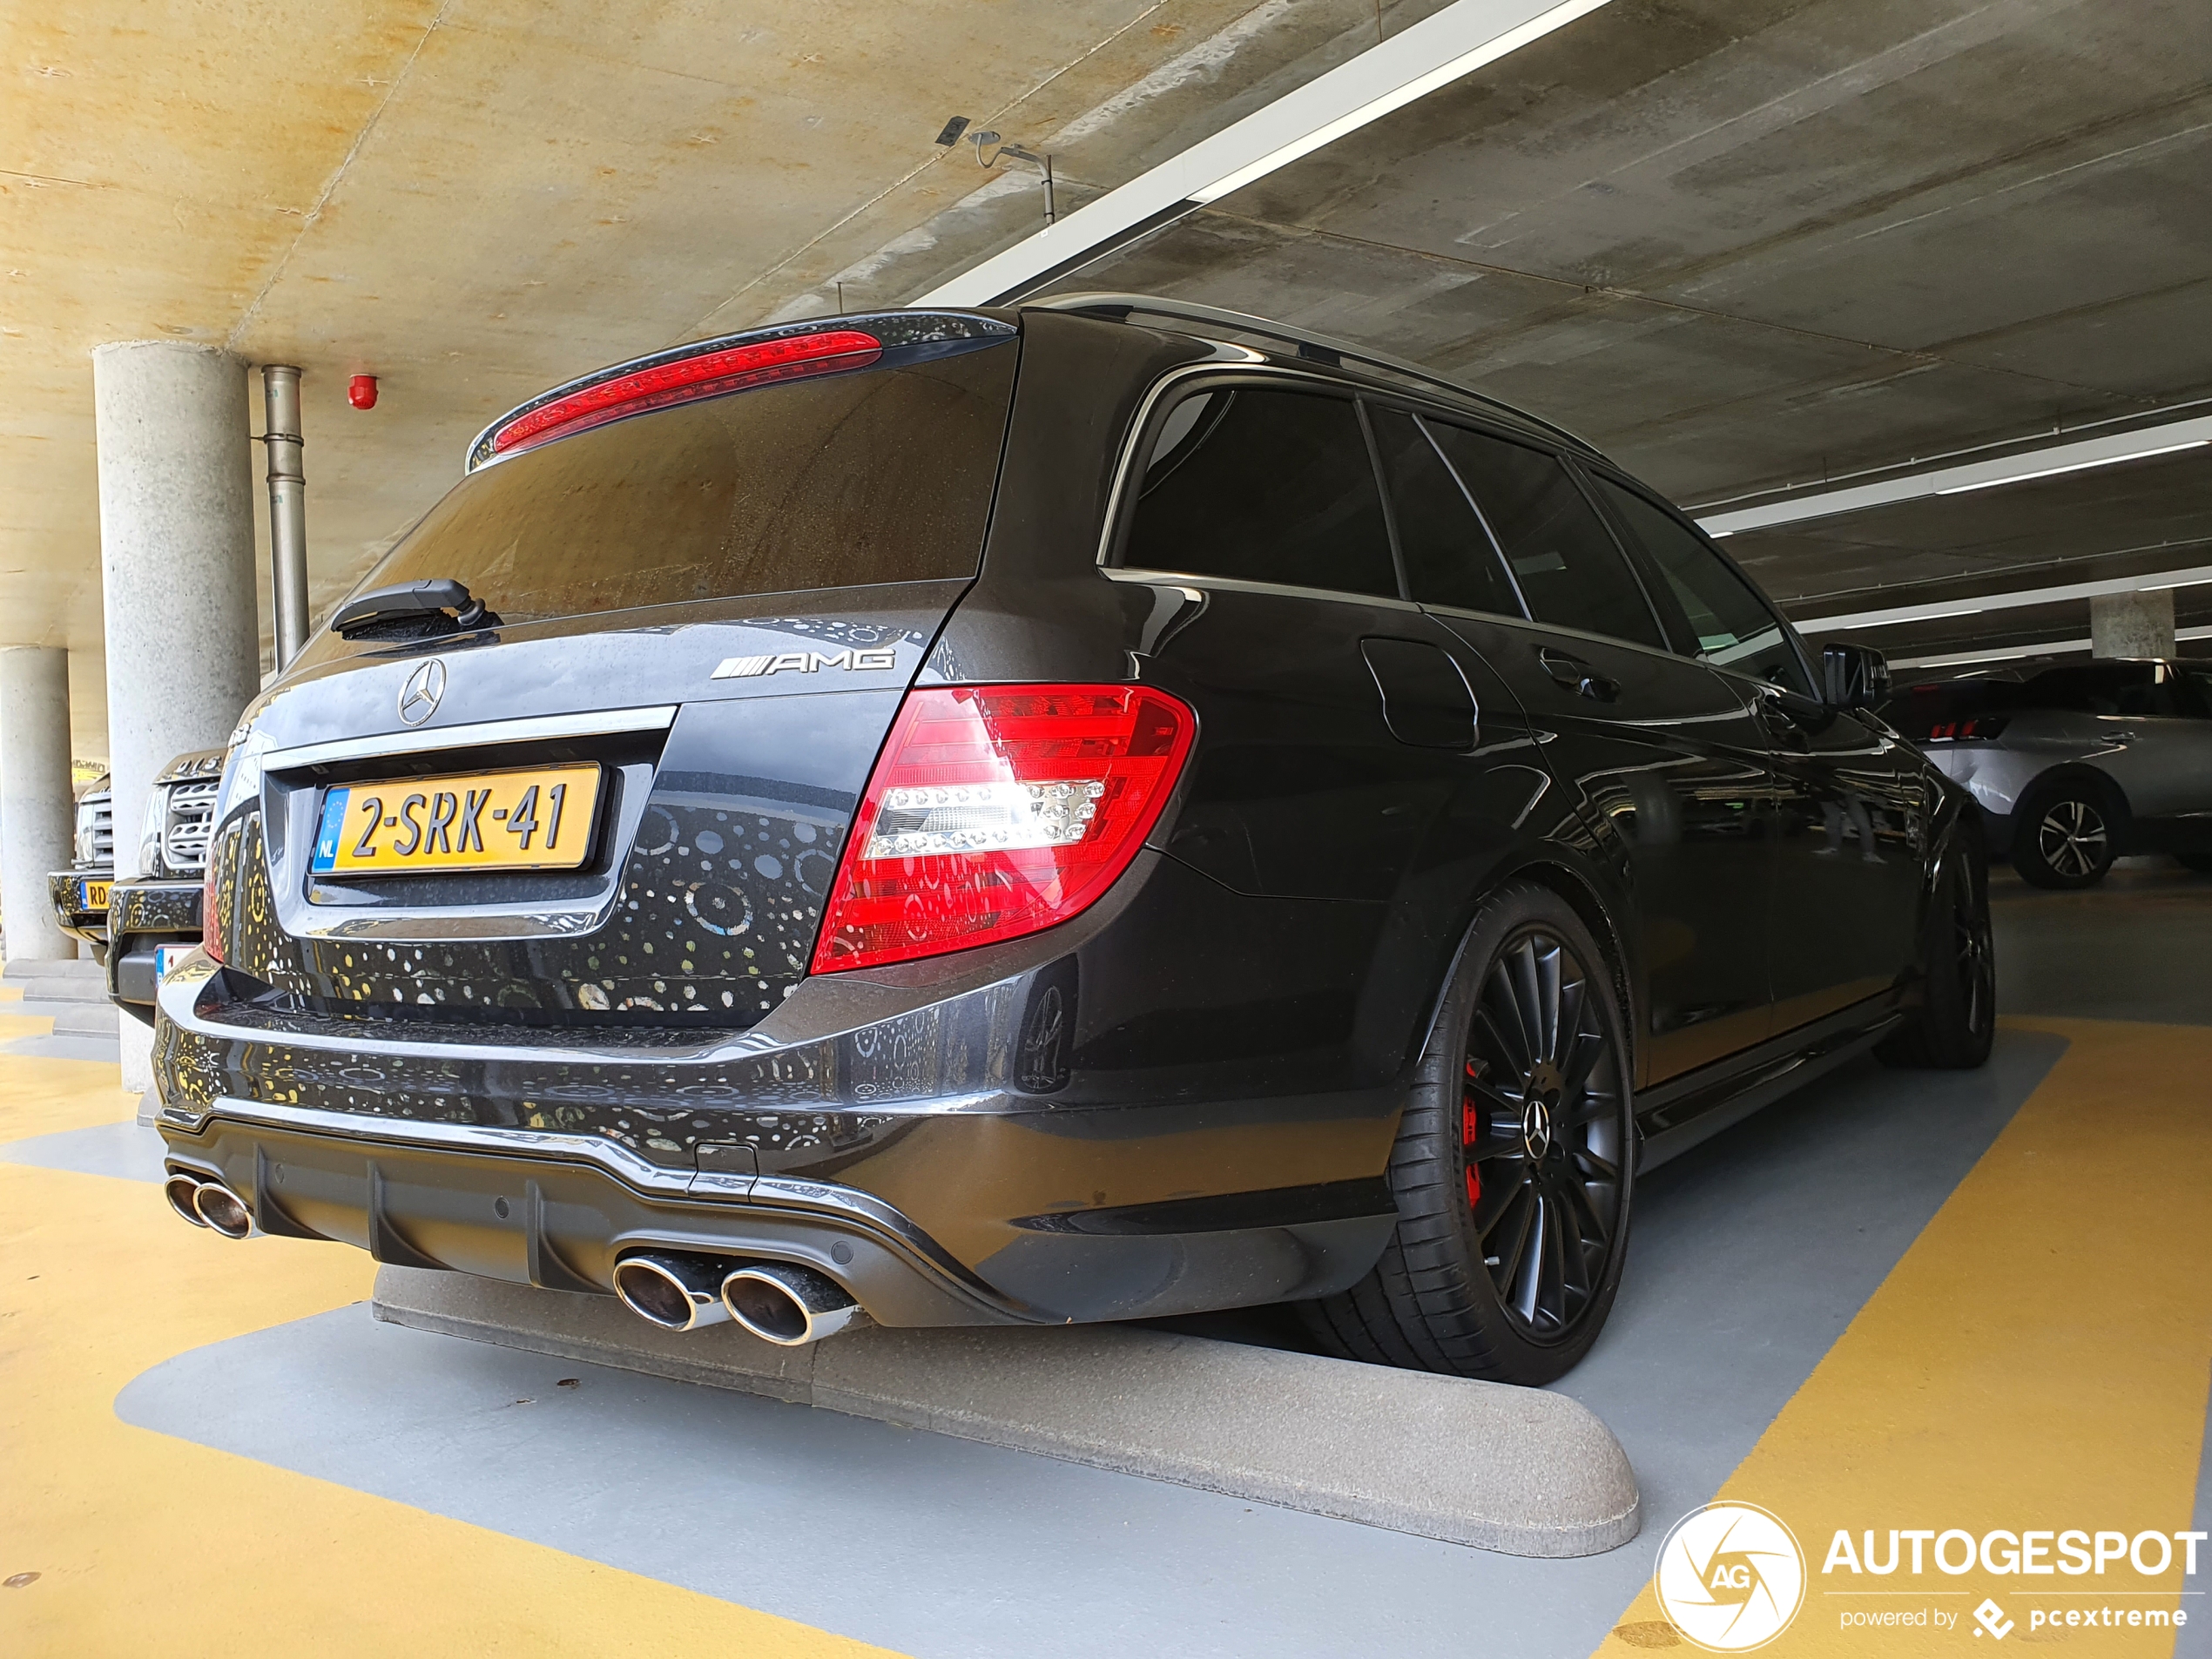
<point>1729,624</point>
<point>1564,558</point>
<point>2116,688</point>
<point>1449,558</point>
<point>847,480</point>
<point>1264,486</point>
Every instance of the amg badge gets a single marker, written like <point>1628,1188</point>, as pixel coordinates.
<point>806,662</point>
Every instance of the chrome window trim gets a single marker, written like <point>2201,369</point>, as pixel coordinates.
<point>595,723</point>
<point>1144,575</point>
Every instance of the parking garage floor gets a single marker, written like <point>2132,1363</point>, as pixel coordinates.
<point>1898,1299</point>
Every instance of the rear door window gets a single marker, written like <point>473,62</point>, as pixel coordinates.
<point>847,480</point>
<point>1263,485</point>
<point>1450,559</point>
<point>1566,562</point>
<point>1730,625</point>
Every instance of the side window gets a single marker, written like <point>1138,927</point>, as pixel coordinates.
<point>1562,557</point>
<point>1264,486</point>
<point>1449,558</point>
<point>1732,624</point>
<point>2195,694</point>
<point>2092,688</point>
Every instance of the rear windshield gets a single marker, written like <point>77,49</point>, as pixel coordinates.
<point>848,481</point>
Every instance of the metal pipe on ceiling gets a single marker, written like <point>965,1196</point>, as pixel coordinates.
<point>287,509</point>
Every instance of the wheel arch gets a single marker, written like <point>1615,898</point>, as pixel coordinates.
<point>2078,774</point>
<point>1584,897</point>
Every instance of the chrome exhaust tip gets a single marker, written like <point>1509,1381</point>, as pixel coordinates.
<point>222,1210</point>
<point>788,1305</point>
<point>673,1291</point>
<point>180,1189</point>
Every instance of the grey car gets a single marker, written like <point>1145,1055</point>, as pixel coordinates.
<point>2080,765</point>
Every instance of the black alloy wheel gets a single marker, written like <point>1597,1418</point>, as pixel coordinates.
<point>1956,1023</point>
<point>2065,840</point>
<point>1514,1166</point>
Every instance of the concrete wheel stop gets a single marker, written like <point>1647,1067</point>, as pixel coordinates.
<point>1515,1470</point>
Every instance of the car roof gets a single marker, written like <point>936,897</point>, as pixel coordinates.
<point>1341,359</point>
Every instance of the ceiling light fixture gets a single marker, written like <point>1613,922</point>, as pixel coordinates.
<point>1418,60</point>
<point>2078,466</point>
<point>1419,87</point>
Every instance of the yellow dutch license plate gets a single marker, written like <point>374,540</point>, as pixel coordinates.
<point>536,819</point>
<point>91,895</point>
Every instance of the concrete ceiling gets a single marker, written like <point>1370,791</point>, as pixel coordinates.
<point>1743,245</point>
<point>474,199</point>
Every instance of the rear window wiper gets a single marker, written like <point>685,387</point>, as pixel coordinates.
<point>427,610</point>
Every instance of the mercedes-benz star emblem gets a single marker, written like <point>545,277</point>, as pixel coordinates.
<point>419,696</point>
<point>1536,1128</point>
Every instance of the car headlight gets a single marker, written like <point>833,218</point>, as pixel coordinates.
<point>150,829</point>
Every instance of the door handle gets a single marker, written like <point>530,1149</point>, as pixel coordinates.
<point>1578,677</point>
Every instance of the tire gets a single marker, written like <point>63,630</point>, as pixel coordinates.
<point>2066,838</point>
<point>1530,1153</point>
<point>1956,1022</point>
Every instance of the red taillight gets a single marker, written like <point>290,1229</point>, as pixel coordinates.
<point>708,374</point>
<point>210,923</point>
<point>997,810</point>
<point>1983,728</point>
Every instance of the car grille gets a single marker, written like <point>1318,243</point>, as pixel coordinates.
<point>95,829</point>
<point>191,821</point>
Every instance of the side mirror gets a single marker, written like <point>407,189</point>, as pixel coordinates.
<point>1854,676</point>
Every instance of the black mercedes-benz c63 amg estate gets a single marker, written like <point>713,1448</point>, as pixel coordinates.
<point>1091,811</point>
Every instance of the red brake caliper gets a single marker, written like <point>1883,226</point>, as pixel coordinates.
<point>1471,1134</point>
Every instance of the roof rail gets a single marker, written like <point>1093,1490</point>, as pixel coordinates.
<point>1310,346</point>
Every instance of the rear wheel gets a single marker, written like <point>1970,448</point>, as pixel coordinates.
<point>1957,1019</point>
<point>2065,838</point>
<point>1513,1163</point>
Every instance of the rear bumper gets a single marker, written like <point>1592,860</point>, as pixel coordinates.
<point>909,1132</point>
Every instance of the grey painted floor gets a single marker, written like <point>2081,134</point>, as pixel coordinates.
<point>1759,1246</point>
<point>129,1151</point>
<point>2135,947</point>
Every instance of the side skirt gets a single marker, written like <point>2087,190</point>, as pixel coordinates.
<point>1684,1111</point>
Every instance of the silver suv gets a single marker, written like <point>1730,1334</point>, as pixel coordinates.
<point>2078,765</point>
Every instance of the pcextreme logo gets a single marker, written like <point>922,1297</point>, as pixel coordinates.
<point>1730,1577</point>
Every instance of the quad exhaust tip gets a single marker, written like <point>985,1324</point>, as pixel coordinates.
<point>672,1290</point>
<point>790,1306</point>
<point>779,1302</point>
<point>209,1204</point>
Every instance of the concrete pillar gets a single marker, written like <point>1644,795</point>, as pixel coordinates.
<point>37,815</point>
<point>177,573</point>
<point>2132,625</point>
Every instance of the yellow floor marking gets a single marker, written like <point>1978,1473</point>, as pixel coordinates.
<point>145,1544</point>
<point>44,1096</point>
<point>2039,1358</point>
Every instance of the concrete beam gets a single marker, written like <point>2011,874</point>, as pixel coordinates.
<point>2020,598</point>
<point>1515,1470</point>
<point>2014,653</point>
<point>2045,461</point>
